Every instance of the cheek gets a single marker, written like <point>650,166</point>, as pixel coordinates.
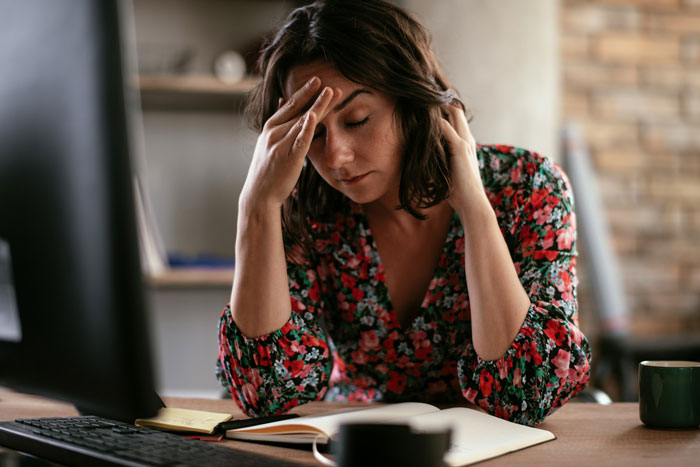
<point>392,142</point>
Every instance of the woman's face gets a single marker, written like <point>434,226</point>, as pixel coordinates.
<point>357,147</point>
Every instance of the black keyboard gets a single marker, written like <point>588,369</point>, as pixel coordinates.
<point>96,441</point>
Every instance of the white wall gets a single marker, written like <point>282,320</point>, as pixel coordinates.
<point>502,56</point>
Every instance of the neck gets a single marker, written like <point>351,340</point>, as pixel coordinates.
<point>386,213</point>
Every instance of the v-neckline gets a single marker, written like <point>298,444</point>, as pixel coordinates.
<point>376,258</point>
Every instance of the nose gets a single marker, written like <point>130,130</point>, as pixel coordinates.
<point>339,150</point>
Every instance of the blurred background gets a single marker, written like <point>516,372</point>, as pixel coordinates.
<point>624,73</point>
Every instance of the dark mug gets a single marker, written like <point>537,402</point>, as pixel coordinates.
<point>669,394</point>
<point>380,445</point>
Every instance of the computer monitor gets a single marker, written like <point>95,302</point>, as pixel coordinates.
<point>72,308</point>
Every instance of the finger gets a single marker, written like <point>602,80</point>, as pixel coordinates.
<point>303,135</point>
<point>449,132</point>
<point>324,104</point>
<point>321,104</point>
<point>459,120</point>
<point>296,102</point>
<point>280,101</point>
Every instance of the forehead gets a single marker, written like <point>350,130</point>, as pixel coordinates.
<point>329,76</point>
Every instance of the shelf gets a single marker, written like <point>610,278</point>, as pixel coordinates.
<point>192,277</point>
<point>193,92</point>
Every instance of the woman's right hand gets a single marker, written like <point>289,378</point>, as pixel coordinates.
<point>283,144</point>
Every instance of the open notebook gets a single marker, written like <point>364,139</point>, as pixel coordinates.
<point>476,436</point>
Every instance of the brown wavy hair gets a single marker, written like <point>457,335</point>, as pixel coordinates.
<point>378,45</point>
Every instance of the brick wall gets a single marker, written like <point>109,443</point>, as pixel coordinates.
<point>631,78</point>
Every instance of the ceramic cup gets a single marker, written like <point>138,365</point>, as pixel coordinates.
<point>669,394</point>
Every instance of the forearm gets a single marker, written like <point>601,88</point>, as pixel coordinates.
<point>260,301</point>
<point>498,301</point>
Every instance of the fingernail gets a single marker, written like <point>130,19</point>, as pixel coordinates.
<point>313,81</point>
<point>325,92</point>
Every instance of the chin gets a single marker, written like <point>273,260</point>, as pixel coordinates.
<point>360,196</point>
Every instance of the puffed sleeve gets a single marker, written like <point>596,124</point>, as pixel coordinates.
<point>548,361</point>
<point>291,366</point>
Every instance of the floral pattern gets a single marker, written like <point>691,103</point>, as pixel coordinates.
<point>343,341</point>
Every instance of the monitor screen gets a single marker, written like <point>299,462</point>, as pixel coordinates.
<point>72,309</point>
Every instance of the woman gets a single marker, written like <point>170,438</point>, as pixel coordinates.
<point>381,253</point>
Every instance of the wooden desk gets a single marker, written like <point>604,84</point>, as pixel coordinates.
<point>587,434</point>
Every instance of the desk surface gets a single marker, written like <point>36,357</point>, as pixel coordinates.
<point>587,434</point>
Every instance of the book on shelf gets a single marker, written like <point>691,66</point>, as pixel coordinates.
<point>476,436</point>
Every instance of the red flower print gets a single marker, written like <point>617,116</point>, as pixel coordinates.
<point>423,353</point>
<point>254,377</point>
<point>369,340</point>
<point>576,335</point>
<point>379,275</point>
<point>565,281</point>
<point>550,255</point>
<point>565,238</point>
<point>314,292</point>
<point>294,366</point>
<point>502,366</point>
<point>470,394</point>
<point>528,237</point>
<point>548,239</point>
<point>530,168</point>
<point>556,332</point>
<point>516,174</point>
<point>297,305</point>
<point>485,383</point>
<point>504,148</point>
<point>537,196</point>
<point>347,280</point>
<point>578,372</point>
<point>263,356</point>
<point>390,340</point>
<point>359,357</point>
<point>397,381</point>
<point>250,394</point>
<point>363,270</point>
<point>552,200</point>
<point>459,245</point>
<point>501,412</point>
<point>518,378</point>
<point>383,369</point>
<point>312,341</point>
<point>531,353</point>
<point>561,361</point>
<point>357,294</point>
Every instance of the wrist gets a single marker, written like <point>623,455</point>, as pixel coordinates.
<point>471,205</point>
<point>475,212</point>
<point>255,206</point>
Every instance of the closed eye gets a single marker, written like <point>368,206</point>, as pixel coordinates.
<point>360,123</point>
<point>321,129</point>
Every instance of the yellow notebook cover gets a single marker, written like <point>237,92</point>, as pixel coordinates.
<point>174,419</point>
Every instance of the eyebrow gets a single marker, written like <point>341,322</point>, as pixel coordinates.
<point>348,99</point>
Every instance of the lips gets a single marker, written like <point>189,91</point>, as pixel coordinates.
<point>353,179</point>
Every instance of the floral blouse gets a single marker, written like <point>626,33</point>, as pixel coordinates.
<point>343,341</point>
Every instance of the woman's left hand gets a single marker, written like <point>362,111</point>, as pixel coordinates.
<point>467,189</point>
